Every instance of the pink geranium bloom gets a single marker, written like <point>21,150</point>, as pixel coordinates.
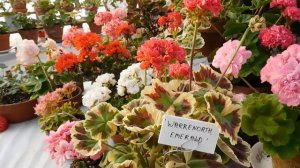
<point>119,13</point>
<point>47,103</point>
<point>283,73</point>
<point>239,98</point>
<point>283,3</point>
<point>293,13</point>
<point>110,29</point>
<point>214,6</point>
<point>69,36</point>
<point>276,36</point>
<point>225,54</point>
<point>179,71</point>
<point>102,18</point>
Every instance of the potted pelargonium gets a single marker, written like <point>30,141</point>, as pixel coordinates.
<point>53,22</point>
<point>28,26</point>
<point>4,37</point>
<point>68,5</point>
<point>42,6</point>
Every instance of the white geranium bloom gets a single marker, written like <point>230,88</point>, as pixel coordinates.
<point>106,79</point>
<point>95,95</point>
<point>132,80</point>
<point>27,52</point>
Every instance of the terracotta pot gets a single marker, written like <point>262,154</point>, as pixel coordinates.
<point>39,11</point>
<point>246,90</point>
<point>68,8</point>
<point>76,100</point>
<point>92,8</point>
<point>32,34</point>
<point>94,28</point>
<point>212,38</point>
<point>4,40</point>
<point>54,32</point>
<point>19,6</point>
<point>18,112</point>
<point>279,163</point>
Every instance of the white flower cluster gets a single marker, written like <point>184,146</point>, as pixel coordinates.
<point>99,90</point>
<point>132,79</point>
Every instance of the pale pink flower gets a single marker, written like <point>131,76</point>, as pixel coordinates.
<point>60,145</point>
<point>225,54</point>
<point>179,71</point>
<point>109,29</point>
<point>276,36</point>
<point>283,3</point>
<point>69,36</point>
<point>50,44</point>
<point>47,103</point>
<point>119,13</point>
<point>27,52</point>
<point>283,73</point>
<point>68,89</point>
<point>239,98</point>
<point>292,12</point>
<point>102,18</point>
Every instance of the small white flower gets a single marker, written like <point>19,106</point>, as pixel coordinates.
<point>106,79</point>
<point>95,95</point>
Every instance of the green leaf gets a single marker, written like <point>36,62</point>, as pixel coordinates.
<point>83,142</point>
<point>99,121</point>
<point>232,28</point>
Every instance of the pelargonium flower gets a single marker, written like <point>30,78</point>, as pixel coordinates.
<point>109,29</point>
<point>115,47</point>
<point>60,145</point>
<point>225,53</point>
<point>276,36</point>
<point>173,20</point>
<point>133,79</point>
<point>214,6</point>
<point>283,3</point>
<point>106,80</point>
<point>66,62</point>
<point>95,94</point>
<point>47,103</point>
<point>292,12</point>
<point>102,18</point>
<point>179,71</point>
<point>69,36</point>
<point>283,73</point>
<point>27,52</point>
<point>160,53</point>
<point>119,13</point>
<point>126,30</point>
<point>68,89</point>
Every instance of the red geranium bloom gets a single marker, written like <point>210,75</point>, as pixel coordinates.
<point>125,29</point>
<point>162,20</point>
<point>173,20</point>
<point>160,53</point>
<point>87,44</point>
<point>179,71</point>
<point>213,6</point>
<point>65,62</point>
<point>115,47</point>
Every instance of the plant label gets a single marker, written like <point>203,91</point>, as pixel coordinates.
<point>189,134</point>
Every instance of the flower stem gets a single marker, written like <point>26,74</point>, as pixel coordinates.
<point>145,77</point>
<point>234,55</point>
<point>113,148</point>
<point>249,85</point>
<point>193,53</point>
<point>154,155</point>
<point>45,73</point>
<point>278,20</point>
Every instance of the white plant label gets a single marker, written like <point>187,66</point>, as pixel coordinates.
<point>189,134</point>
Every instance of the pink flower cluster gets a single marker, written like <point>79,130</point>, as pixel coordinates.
<point>276,36</point>
<point>283,3</point>
<point>110,21</point>
<point>160,53</point>
<point>283,73</point>
<point>60,145</point>
<point>173,20</point>
<point>214,6</point>
<point>69,36</point>
<point>292,12</point>
<point>225,54</point>
<point>51,100</point>
<point>179,71</point>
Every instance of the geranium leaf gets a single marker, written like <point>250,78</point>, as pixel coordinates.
<point>134,103</point>
<point>240,152</point>
<point>206,77</point>
<point>99,121</point>
<point>83,142</point>
<point>226,114</point>
<point>144,118</point>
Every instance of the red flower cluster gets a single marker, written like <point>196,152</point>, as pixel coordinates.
<point>115,47</point>
<point>293,13</point>
<point>87,44</point>
<point>283,3</point>
<point>179,71</point>
<point>173,20</point>
<point>160,53</point>
<point>276,36</point>
<point>214,6</point>
<point>66,61</point>
<point>125,29</point>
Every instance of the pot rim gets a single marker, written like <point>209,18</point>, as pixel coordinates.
<point>14,104</point>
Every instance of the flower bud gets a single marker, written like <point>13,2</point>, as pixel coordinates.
<point>256,23</point>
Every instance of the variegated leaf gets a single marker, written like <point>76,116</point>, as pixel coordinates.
<point>195,164</point>
<point>83,142</point>
<point>226,114</point>
<point>206,77</point>
<point>240,152</point>
<point>181,86</point>
<point>126,164</point>
<point>134,103</point>
<point>144,118</point>
<point>142,138</point>
<point>99,121</point>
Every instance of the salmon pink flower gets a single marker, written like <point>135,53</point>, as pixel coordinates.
<point>119,13</point>
<point>283,3</point>
<point>213,6</point>
<point>179,71</point>
<point>173,20</point>
<point>292,12</point>
<point>69,36</point>
<point>102,18</point>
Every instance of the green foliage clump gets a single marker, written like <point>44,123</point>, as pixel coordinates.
<point>24,21</point>
<point>54,17</point>
<point>275,125</point>
<point>3,28</point>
